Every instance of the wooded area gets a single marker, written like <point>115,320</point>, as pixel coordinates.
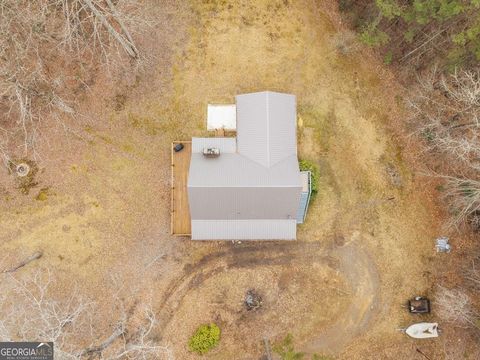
<point>419,32</point>
<point>433,46</point>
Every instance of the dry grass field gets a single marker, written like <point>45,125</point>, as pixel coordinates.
<point>103,222</point>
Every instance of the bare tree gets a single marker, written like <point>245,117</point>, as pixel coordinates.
<point>30,312</point>
<point>454,305</point>
<point>446,114</point>
<point>49,49</point>
<point>472,274</point>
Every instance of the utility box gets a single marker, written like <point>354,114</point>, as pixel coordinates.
<point>211,152</point>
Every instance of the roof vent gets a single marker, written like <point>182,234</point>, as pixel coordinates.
<point>211,152</point>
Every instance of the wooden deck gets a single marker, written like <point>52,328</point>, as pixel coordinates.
<point>180,221</point>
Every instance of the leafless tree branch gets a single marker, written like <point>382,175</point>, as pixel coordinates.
<point>446,114</point>
<point>43,45</point>
<point>454,305</point>
<point>28,310</point>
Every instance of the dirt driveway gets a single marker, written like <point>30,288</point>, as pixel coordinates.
<point>360,288</point>
<point>363,283</point>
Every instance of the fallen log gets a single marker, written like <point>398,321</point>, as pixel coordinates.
<point>119,331</point>
<point>36,255</point>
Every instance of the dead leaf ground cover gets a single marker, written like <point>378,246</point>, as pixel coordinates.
<point>105,219</point>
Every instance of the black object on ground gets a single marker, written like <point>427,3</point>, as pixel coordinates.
<point>178,147</point>
<point>419,305</point>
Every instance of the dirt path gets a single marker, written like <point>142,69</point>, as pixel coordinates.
<point>350,260</point>
<point>360,271</point>
<point>247,255</point>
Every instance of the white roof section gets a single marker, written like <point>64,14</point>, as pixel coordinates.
<point>244,229</point>
<point>266,129</point>
<point>226,145</point>
<point>221,117</point>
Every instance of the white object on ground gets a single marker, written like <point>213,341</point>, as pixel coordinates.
<point>22,169</point>
<point>442,245</point>
<point>221,117</point>
<point>422,330</point>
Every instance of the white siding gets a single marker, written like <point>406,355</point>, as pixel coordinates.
<point>305,197</point>
<point>244,229</point>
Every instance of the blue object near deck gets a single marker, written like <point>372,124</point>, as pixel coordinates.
<point>305,196</point>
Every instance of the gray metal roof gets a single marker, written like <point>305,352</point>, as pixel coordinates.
<point>252,190</point>
<point>230,203</point>
<point>235,170</point>
<point>244,229</point>
<point>266,126</point>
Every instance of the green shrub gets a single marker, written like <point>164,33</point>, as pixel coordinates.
<point>306,165</point>
<point>389,8</point>
<point>321,357</point>
<point>388,58</point>
<point>371,35</point>
<point>286,349</point>
<point>205,338</point>
<point>409,35</point>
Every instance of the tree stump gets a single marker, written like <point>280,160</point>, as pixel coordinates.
<point>253,300</point>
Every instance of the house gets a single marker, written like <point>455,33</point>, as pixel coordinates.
<point>249,187</point>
